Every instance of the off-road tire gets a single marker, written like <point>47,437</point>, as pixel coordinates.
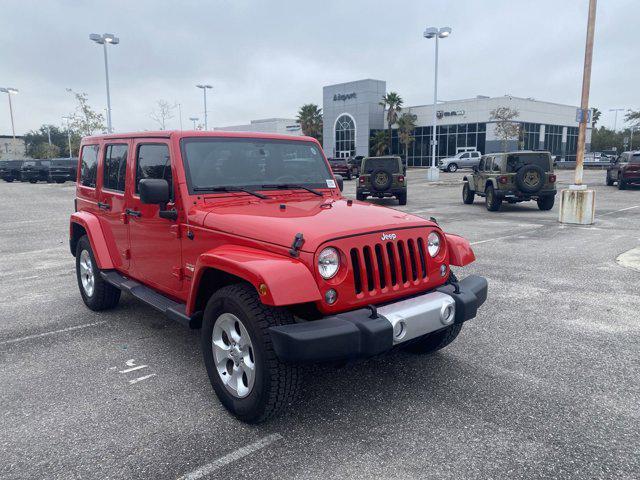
<point>381,187</point>
<point>105,295</point>
<point>277,383</point>
<point>452,167</point>
<point>33,180</point>
<point>523,185</point>
<point>609,181</point>
<point>434,341</point>
<point>402,198</point>
<point>360,197</point>
<point>621,184</point>
<point>468,195</point>
<point>60,181</point>
<point>546,203</point>
<point>492,201</point>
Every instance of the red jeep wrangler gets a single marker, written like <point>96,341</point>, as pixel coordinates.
<point>248,236</point>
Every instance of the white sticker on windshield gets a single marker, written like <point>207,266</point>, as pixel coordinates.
<point>313,150</point>
<point>331,183</point>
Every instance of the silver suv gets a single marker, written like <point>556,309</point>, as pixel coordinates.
<point>460,160</point>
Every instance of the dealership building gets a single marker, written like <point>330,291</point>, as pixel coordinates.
<point>352,114</point>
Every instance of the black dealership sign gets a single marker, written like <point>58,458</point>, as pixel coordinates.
<point>344,96</point>
<point>453,113</point>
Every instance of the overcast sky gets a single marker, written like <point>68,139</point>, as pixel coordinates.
<point>266,58</point>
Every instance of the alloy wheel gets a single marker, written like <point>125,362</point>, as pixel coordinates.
<point>233,355</point>
<point>86,273</point>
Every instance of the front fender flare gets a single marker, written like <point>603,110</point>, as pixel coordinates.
<point>460,251</point>
<point>91,225</point>
<point>288,281</point>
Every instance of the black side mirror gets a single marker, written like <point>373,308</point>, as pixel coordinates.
<point>154,191</point>
<point>340,181</point>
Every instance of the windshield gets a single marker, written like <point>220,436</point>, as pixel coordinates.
<point>252,163</point>
<point>635,158</point>
<point>388,164</point>
<point>515,161</point>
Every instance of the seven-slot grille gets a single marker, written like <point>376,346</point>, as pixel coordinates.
<point>389,264</point>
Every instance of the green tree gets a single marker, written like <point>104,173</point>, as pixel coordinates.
<point>392,102</point>
<point>378,143</point>
<point>310,120</point>
<point>633,117</point>
<point>84,120</point>
<point>595,117</point>
<point>604,138</point>
<point>506,129</point>
<point>37,142</point>
<point>406,128</point>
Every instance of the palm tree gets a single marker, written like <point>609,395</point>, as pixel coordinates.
<point>595,117</point>
<point>406,127</point>
<point>310,120</point>
<point>379,143</point>
<point>392,102</point>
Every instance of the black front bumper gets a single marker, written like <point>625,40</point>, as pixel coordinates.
<point>353,335</point>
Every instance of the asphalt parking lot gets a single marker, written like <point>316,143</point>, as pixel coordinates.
<point>544,383</point>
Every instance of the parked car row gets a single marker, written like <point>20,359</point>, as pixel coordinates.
<point>57,170</point>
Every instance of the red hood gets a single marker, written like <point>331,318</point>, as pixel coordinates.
<point>318,219</point>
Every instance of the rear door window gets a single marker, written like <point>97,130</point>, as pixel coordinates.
<point>373,164</point>
<point>89,166</point>
<point>635,158</point>
<point>115,167</point>
<point>515,161</point>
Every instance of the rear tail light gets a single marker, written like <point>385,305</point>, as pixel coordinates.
<point>552,178</point>
<point>361,179</point>
<point>401,178</point>
<point>503,179</point>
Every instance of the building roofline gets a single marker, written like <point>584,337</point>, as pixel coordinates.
<point>485,98</point>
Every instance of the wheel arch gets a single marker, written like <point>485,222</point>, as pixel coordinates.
<point>279,280</point>
<point>85,223</point>
<point>460,251</point>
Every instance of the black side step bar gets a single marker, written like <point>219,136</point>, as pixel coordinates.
<point>171,309</point>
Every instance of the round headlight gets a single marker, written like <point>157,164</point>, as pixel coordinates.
<point>433,244</point>
<point>328,262</point>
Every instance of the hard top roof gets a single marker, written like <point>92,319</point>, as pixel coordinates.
<point>197,133</point>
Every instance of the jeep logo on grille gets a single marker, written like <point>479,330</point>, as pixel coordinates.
<point>388,236</point>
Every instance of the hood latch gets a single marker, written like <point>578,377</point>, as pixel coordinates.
<point>296,245</point>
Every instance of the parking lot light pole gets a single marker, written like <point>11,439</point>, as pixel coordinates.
<point>68,120</point>
<point>437,33</point>
<point>194,120</point>
<point>615,118</point>
<point>204,90</point>
<point>107,38</point>
<point>577,203</point>
<point>11,91</point>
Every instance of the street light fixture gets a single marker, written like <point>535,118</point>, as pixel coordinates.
<point>615,118</point>
<point>437,33</point>
<point>68,120</point>
<point>11,91</point>
<point>204,90</point>
<point>104,39</point>
<point>194,120</point>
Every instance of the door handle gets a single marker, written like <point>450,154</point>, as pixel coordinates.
<point>104,206</point>
<point>133,213</point>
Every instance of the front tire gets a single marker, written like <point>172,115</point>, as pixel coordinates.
<point>546,203</point>
<point>609,181</point>
<point>245,358</point>
<point>96,293</point>
<point>435,341</point>
<point>493,203</point>
<point>453,167</point>
<point>468,195</point>
<point>33,180</point>
<point>621,184</point>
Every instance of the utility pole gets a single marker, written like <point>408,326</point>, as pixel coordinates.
<point>577,204</point>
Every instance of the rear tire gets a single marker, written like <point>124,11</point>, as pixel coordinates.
<point>360,197</point>
<point>621,184</point>
<point>609,181</point>
<point>493,203</point>
<point>468,195</point>
<point>275,384</point>
<point>402,198</point>
<point>8,180</point>
<point>33,180</point>
<point>96,293</point>
<point>453,167</point>
<point>435,341</point>
<point>546,203</point>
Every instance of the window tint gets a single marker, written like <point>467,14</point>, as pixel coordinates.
<point>153,162</point>
<point>89,165</point>
<point>465,155</point>
<point>475,154</point>
<point>115,167</point>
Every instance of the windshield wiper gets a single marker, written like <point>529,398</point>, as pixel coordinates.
<point>293,186</point>
<point>230,189</point>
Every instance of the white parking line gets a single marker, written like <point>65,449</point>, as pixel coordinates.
<point>621,210</point>
<point>501,238</point>
<point>139,379</point>
<point>53,332</point>
<point>231,457</point>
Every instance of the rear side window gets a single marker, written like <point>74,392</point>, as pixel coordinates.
<point>153,162</point>
<point>115,167</point>
<point>89,166</point>
<point>635,158</point>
